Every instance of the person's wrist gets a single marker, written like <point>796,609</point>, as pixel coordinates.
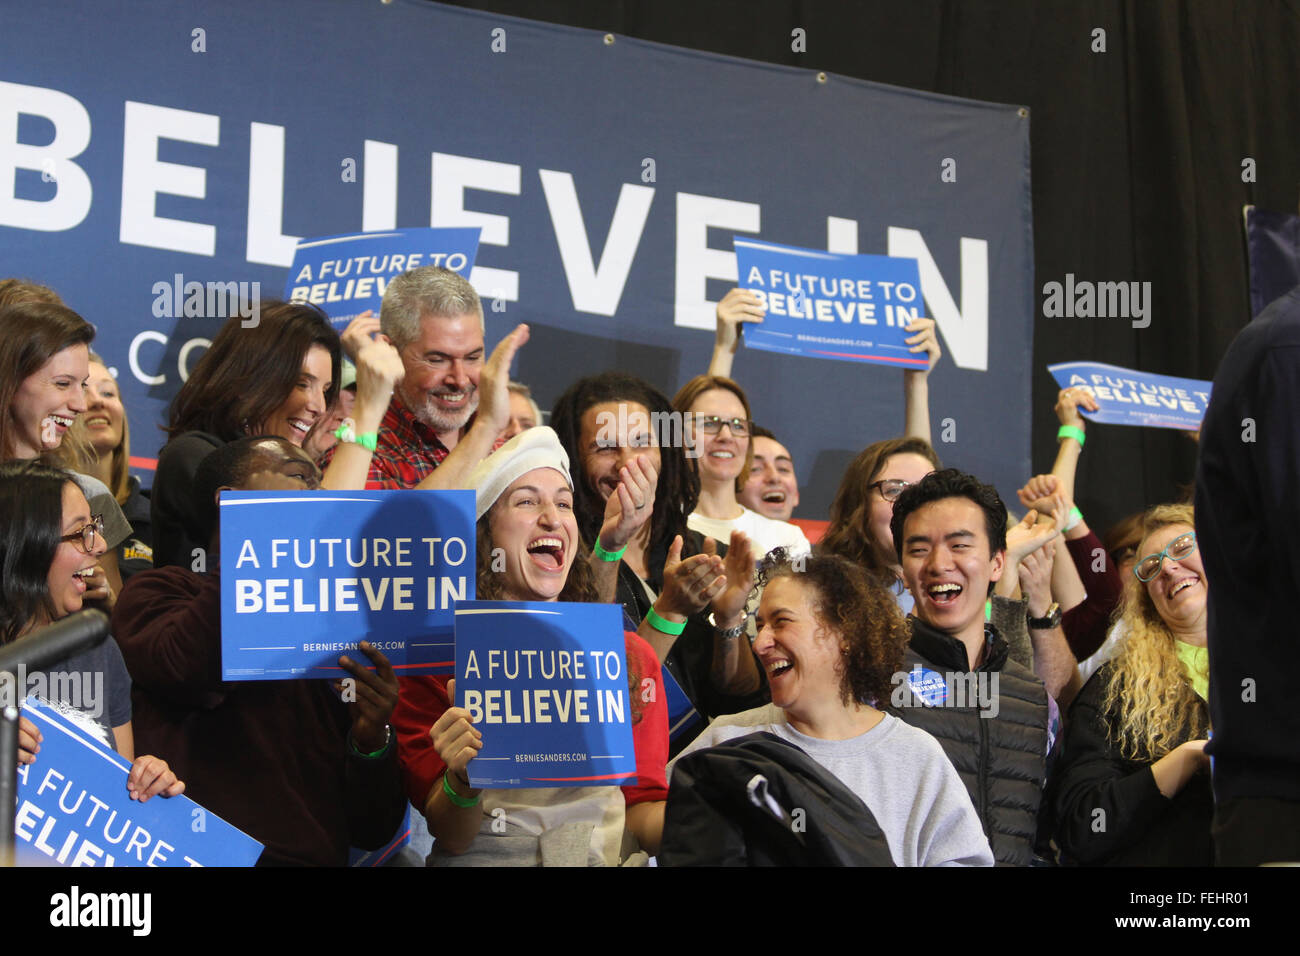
<point>372,743</point>
<point>670,613</point>
<point>468,798</point>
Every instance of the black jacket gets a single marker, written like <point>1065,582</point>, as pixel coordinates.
<point>1247,522</point>
<point>1001,757</point>
<point>1109,809</point>
<point>759,800</point>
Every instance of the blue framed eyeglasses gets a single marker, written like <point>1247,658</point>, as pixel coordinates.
<point>1181,547</point>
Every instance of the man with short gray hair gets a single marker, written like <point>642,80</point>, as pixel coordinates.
<point>434,318</point>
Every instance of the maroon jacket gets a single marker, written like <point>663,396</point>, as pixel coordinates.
<point>270,757</point>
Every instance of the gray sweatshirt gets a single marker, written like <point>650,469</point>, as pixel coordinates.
<point>900,773</point>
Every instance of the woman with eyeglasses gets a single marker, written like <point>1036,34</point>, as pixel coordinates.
<point>44,369</point>
<point>864,505</point>
<point>717,426</point>
<point>49,544</point>
<point>1133,786</point>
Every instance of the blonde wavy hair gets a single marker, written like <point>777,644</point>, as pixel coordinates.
<point>1148,686</point>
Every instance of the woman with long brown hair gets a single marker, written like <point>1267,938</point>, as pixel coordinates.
<point>274,378</point>
<point>44,367</point>
<point>1133,785</point>
<point>864,505</point>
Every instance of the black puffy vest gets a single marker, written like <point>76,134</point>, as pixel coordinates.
<point>1001,758</point>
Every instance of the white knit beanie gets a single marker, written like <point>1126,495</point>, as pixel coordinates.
<point>532,448</point>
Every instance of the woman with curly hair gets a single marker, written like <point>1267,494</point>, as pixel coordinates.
<point>831,645</point>
<point>1132,787</point>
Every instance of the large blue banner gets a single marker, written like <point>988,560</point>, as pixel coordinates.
<point>382,566</point>
<point>1126,396</point>
<point>607,177</point>
<point>822,305</point>
<point>546,685</point>
<point>74,810</point>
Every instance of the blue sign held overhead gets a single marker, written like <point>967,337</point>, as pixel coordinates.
<point>1129,397</point>
<point>74,810</point>
<point>346,275</point>
<point>307,575</point>
<point>826,305</point>
<point>546,684</point>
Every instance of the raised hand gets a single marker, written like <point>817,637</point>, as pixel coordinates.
<point>736,308</point>
<point>1068,403</point>
<point>729,605</point>
<point>360,330</point>
<point>690,585</point>
<point>630,507</point>
<point>925,339</point>
<point>494,396</point>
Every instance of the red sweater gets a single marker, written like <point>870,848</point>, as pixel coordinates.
<point>270,757</point>
<point>424,700</point>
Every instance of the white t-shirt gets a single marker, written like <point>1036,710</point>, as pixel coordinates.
<point>901,774</point>
<point>764,532</point>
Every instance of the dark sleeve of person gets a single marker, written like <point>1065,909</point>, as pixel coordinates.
<point>168,623</point>
<point>1010,617</point>
<point>1086,625</point>
<point>373,795</point>
<point>1103,803</point>
<point>175,531</point>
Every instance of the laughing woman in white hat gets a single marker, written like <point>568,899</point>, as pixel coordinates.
<point>525,515</point>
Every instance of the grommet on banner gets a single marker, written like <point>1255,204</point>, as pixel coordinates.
<point>821,77</point>
<point>609,39</point>
<point>1022,112</point>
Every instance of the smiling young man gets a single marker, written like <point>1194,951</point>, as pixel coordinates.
<point>772,489</point>
<point>989,712</point>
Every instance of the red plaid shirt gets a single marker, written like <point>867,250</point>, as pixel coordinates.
<point>407,452</point>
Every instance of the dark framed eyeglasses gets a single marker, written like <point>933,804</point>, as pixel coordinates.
<point>712,424</point>
<point>86,533</point>
<point>890,488</point>
<point>1181,547</point>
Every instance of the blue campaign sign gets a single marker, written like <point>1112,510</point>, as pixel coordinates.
<point>824,305</point>
<point>73,810</point>
<point>682,715</point>
<point>1129,397</point>
<point>382,566</point>
<point>346,275</point>
<point>546,684</point>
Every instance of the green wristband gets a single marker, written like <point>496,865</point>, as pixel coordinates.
<point>667,627</point>
<point>455,797</point>
<point>1075,517</point>
<point>1071,431</point>
<point>347,433</point>
<point>604,555</point>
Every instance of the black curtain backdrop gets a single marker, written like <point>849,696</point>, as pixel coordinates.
<point>1137,159</point>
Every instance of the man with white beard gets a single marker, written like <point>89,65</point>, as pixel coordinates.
<point>431,435</point>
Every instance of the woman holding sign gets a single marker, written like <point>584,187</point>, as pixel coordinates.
<point>527,542</point>
<point>831,645</point>
<point>49,545</point>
